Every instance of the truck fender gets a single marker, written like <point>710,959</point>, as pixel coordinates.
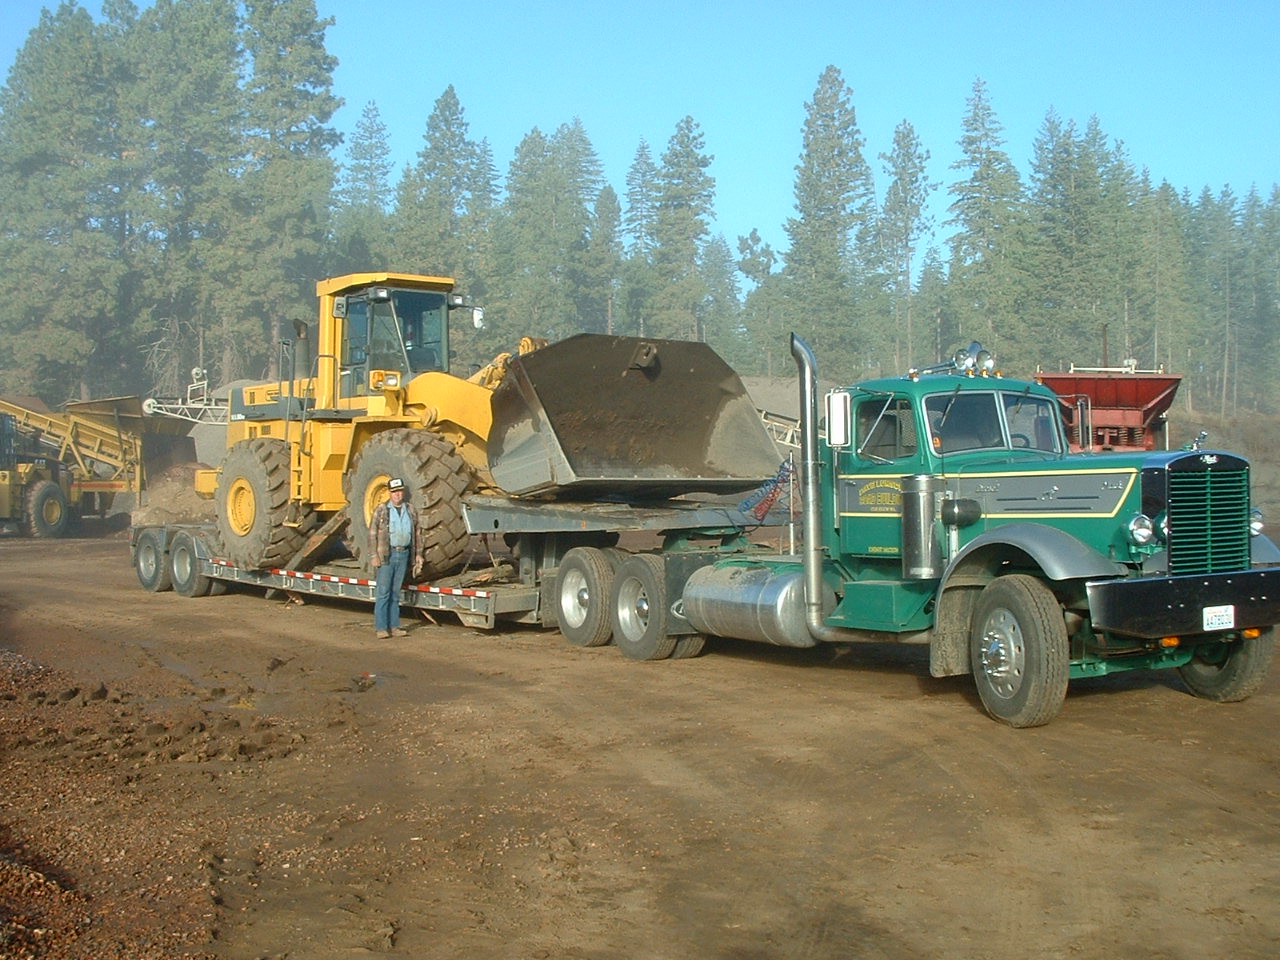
<point>1058,555</point>
<point>1263,552</point>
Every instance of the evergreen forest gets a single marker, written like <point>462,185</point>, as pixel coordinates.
<point>172,187</point>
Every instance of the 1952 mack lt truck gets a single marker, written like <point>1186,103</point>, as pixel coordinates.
<point>944,508</point>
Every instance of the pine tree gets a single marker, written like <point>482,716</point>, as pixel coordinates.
<point>67,242</point>
<point>361,221</point>
<point>903,221</point>
<point>987,212</point>
<point>273,255</point>
<point>831,255</point>
<point>436,195</point>
<point>685,207</point>
<point>186,110</point>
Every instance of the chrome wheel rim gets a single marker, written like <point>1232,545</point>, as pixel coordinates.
<point>1003,654</point>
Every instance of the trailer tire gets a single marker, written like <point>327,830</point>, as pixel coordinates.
<point>583,586</point>
<point>638,609</point>
<point>184,569</point>
<point>688,646</point>
<point>46,511</point>
<point>151,564</point>
<point>256,527</point>
<point>1019,652</point>
<point>437,478</point>
<point>1237,674</point>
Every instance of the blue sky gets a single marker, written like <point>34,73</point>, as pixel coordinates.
<point>1192,89</point>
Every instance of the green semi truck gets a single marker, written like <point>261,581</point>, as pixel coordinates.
<point>943,507</point>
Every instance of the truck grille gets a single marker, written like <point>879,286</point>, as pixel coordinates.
<point>1208,521</point>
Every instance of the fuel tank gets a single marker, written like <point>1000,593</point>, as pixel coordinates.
<point>626,417</point>
<point>751,602</point>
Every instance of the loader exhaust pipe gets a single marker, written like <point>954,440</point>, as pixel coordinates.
<point>811,506</point>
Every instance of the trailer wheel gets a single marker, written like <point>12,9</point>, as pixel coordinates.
<point>258,526</point>
<point>638,609</point>
<point>437,478</point>
<point>1229,672</point>
<point>1018,651</point>
<point>46,513</point>
<point>150,562</point>
<point>688,646</point>
<point>583,586</point>
<point>184,568</point>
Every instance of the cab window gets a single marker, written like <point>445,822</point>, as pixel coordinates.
<point>886,429</point>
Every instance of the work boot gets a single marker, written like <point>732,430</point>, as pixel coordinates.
<point>382,634</point>
<point>397,632</point>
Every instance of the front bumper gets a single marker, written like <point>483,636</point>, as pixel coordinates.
<point>1152,607</point>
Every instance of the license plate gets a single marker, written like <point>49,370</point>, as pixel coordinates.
<point>1220,618</point>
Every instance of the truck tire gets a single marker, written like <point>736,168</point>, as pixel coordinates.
<point>46,512</point>
<point>688,646</point>
<point>184,569</point>
<point>258,527</point>
<point>1230,672</point>
<point>436,476</point>
<point>1019,652</point>
<point>151,564</point>
<point>583,586</point>
<point>638,609</point>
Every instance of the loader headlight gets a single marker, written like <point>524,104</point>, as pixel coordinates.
<point>1255,523</point>
<point>1141,530</point>
<point>383,380</point>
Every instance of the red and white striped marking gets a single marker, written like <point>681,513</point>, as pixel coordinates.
<point>356,581</point>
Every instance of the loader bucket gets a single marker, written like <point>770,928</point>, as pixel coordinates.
<point>619,416</point>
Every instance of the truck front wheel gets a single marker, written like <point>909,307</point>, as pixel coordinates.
<point>1018,651</point>
<point>1228,672</point>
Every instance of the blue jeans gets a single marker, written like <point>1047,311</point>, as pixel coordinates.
<point>386,599</point>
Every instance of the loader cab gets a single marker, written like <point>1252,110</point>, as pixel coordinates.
<point>392,329</point>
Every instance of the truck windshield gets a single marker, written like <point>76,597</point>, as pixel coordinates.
<point>981,421</point>
<point>1033,422</point>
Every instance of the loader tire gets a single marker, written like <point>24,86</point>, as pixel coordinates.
<point>258,527</point>
<point>46,512</point>
<point>436,477</point>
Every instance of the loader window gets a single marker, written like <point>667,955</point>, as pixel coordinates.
<point>355,350</point>
<point>886,429</point>
<point>421,316</point>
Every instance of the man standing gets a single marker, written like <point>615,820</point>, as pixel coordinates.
<point>393,538</point>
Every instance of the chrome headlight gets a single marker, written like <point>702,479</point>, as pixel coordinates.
<point>1141,530</point>
<point>1255,522</point>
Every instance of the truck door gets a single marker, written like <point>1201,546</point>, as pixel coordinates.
<point>886,448</point>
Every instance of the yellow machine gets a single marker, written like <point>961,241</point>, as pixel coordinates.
<point>55,466</point>
<point>310,456</point>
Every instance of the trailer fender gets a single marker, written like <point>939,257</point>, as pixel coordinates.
<point>1054,554</point>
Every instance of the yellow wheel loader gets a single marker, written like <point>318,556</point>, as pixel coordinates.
<point>372,397</point>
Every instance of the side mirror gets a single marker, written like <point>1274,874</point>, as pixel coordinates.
<point>839,411</point>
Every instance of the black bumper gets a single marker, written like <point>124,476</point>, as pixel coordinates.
<point>1178,606</point>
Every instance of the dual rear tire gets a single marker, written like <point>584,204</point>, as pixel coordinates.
<point>605,595</point>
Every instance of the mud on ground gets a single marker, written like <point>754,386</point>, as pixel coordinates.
<point>241,777</point>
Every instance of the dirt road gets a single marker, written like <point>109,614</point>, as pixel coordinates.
<point>238,777</point>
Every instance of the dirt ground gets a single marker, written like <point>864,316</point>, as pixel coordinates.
<point>239,777</point>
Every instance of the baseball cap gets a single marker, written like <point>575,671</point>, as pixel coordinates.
<point>395,483</point>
